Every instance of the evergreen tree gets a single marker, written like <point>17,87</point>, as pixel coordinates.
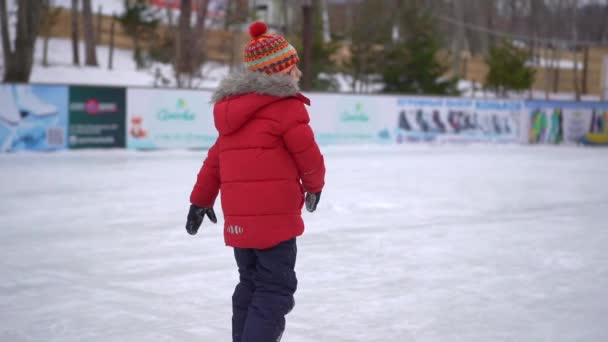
<point>508,69</point>
<point>140,22</point>
<point>411,63</point>
<point>322,66</point>
<point>367,41</point>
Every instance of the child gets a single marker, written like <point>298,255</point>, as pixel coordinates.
<point>264,161</point>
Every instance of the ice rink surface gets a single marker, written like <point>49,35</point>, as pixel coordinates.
<point>410,243</point>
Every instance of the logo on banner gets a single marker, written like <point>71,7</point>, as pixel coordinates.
<point>179,113</point>
<point>94,107</point>
<point>357,116</point>
<point>137,130</point>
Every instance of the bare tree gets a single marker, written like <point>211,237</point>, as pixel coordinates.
<point>459,43</point>
<point>49,20</point>
<point>577,86</point>
<point>111,52</point>
<point>169,10</point>
<point>75,32</point>
<point>183,59</point>
<point>99,24</point>
<point>199,55</point>
<point>19,61</point>
<point>307,36</point>
<point>89,34</point>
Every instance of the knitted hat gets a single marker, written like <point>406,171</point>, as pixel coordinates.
<point>269,53</point>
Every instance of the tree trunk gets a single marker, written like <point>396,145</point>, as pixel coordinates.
<point>307,20</point>
<point>6,39</point>
<point>18,63</point>
<point>169,10</point>
<point>326,23</point>
<point>557,70</point>
<point>75,33</point>
<point>98,26</point>
<point>139,63</point>
<point>184,53</point>
<point>199,40</point>
<point>577,86</point>
<point>513,15</point>
<point>111,53</point>
<point>45,51</point>
<point>585,68</point>
<point>228,15</point>
<point>458,42</point>
<point>285,8</point>
<point>546,67</point>
<point>491,21</point>
<point>89,34</point>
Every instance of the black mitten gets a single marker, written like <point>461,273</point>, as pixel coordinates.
<point>196,215</point>
<point>312,200</point>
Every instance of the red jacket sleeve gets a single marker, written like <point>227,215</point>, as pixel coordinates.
<point>208,181</point>
<point>300,142</point>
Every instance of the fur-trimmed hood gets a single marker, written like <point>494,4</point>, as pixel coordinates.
<point>278,84</point>
<point>241,95</point>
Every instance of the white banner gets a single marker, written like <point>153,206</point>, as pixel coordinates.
<point>348,119</point>
<point>169,119</point>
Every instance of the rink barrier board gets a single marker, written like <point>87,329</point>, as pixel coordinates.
<point>45,117</point>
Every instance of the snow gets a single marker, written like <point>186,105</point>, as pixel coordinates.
<point>472,89</point>
<point>410,243</point>
<point>124,71</point>
<point>108,7</point>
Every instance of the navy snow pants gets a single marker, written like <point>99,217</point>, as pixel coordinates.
<point>264,294</point>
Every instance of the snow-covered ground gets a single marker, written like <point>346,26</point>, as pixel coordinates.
<point>124,72</point>
<point>410,243</point>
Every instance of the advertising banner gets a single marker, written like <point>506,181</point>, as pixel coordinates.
<point>350,119</point>
<point>159,119</point>
<point>33,117</point>
<point>457,120</point>
<point>497,120</point>
<point>554,122</point>
<point>420,119</point>
<point>605,80</point>
<point>97,117</point>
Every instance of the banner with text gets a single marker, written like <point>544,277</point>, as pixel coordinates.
<point>456,120</point>
<point>351,119</point>
<point>33,117</point>
<point>97,117</point>
<point>169,119</point>
<point>554,122</point>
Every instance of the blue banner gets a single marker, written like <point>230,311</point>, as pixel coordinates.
<point>33,117</point>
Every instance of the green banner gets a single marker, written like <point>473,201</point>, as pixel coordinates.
<point>97,117</point>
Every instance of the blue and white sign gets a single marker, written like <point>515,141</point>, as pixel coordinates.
<point>33,117</point>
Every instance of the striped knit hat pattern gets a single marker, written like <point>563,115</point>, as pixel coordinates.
<point>269,53</point>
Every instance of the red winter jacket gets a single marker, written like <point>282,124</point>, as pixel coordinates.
<point>263,161</point>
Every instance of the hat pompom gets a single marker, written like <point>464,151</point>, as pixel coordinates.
<point>257,29</point>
